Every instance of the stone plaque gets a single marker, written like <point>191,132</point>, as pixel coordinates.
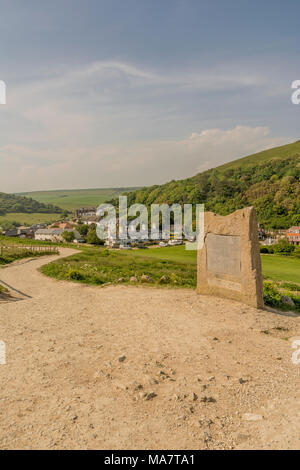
<point>223,254</point>
<point>229,262</point>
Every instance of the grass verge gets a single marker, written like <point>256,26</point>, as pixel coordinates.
<point>169,267</point>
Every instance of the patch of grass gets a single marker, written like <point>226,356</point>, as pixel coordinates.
<point>281,268</point>
<point>174,253</point>
<point>273,292</point>
<point>28,219</point>
<point>8,257</point>
<point>168,267</point>
<point>101,266</point>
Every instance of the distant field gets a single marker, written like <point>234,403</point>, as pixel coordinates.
<point>74,198</point>
<point>24,219</point>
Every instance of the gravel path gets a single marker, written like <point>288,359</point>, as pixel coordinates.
<point>136,367</point>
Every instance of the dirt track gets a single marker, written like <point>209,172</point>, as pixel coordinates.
<point>195,368</point>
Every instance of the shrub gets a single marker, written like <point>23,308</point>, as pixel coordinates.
<point>284,248</point>
<point>93,239</point>
<point>68,236</point>
<point>75,275</point>
<point>272,296</point>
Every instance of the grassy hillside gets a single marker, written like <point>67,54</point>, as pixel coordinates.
<point>269,180</point>
<point>10,203</point>
<point>75,198</point>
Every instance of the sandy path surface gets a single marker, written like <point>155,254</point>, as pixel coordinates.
<point>134,367</point>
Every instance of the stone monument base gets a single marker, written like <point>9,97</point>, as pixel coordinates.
<point>229,263</point>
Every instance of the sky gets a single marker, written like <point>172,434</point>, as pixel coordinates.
<point>115,93</point>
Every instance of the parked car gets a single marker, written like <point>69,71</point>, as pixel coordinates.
<point>175,242</point>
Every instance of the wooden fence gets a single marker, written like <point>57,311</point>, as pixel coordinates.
<point>10,249</point>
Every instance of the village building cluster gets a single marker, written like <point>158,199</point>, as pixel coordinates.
<point>87,216</point>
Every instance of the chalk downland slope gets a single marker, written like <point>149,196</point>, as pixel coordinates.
<point>269,180</point>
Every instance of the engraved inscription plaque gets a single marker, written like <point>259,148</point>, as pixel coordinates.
<point>223,254</point>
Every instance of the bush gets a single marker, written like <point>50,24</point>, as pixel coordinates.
<point>264,249</point>
<point>68,236</point>
<point>272,296</point>
<point>284,248</point>
<point>75,275</point>
<point>93,239</point>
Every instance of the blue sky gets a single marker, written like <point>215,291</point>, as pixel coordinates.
<point>135,92</point>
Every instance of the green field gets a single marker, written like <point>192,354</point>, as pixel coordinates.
<point>71,199</point>
<point>100,266</point>
<point>281,268</point>
<point>28,219</point>
<point>174,253</point>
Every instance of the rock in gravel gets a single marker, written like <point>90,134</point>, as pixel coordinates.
<point>122,358</point>
<point>133,279</point>
<point>206,399</point>
<point>252,417</point>
<point>146,278</point>
<point>164,279</point>
<point>121,279</point>
<point>193,396</point>
<point>151,395</point>
<point>285,299</point>
<point>137,386</point>
<point>242,381</point>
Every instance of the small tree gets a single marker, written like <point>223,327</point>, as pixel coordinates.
<point>93,239</point>
<point>68,236</point>
<point>83,229</point>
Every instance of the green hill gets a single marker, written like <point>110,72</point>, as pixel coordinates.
<point>269,180</point>
<point>10,203</point>
<point>71,199</point>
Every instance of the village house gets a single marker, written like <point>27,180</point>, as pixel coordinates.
<point>85,212</point>
<point>293,235</point>
<point>25,232</point>
<point>55,235</point>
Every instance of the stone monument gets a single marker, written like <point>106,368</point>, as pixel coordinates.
<point>229,263</point>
